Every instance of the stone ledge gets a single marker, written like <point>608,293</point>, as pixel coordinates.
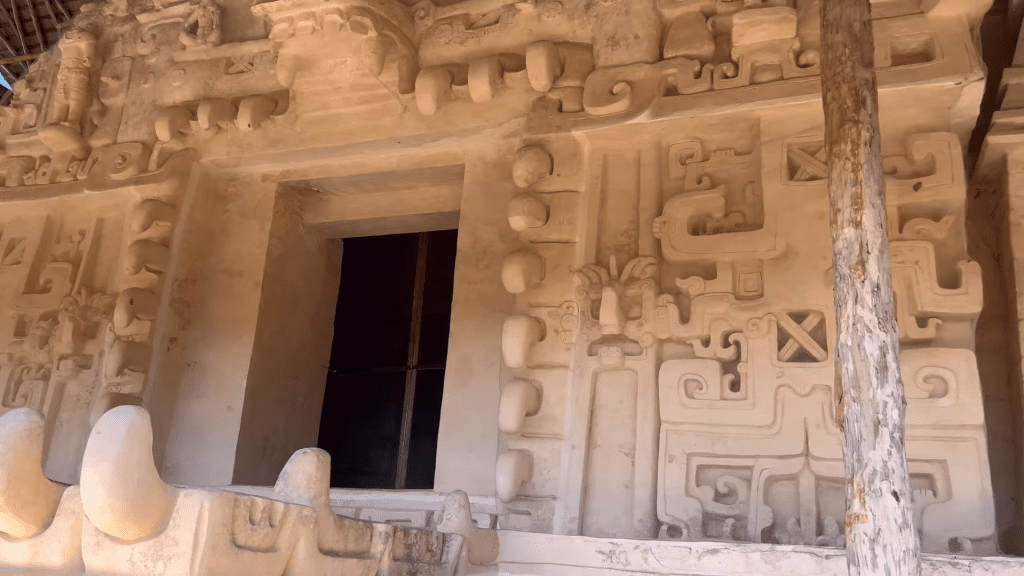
<point>527,554</point>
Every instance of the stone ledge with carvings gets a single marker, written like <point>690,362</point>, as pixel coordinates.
<point>123,519</point>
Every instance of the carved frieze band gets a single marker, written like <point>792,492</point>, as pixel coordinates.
<point>690,375</point>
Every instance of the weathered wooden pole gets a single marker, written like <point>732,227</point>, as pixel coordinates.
<point>880,534</point>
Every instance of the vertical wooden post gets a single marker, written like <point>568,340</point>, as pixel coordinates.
<point>412,362</point>
<point>880,535</point>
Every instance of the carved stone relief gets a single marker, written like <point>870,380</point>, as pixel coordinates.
<point>669,359</point>
<point>738,360</point>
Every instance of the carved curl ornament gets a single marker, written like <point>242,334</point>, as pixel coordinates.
<point>387,28</point>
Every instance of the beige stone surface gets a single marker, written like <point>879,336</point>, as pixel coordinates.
<point>135,524</point>
<point>642,329</point>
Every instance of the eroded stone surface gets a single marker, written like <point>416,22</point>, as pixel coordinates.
<point>642,327</point>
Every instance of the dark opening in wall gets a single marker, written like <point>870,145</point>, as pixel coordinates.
<point>393,288</point>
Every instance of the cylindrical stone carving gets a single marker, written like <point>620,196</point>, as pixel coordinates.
<point>519,399</point>
<point>485,75</point>
<point>518,336</point>
<point>521,270</point>
<point>543,65</point>
<point>513,469</point>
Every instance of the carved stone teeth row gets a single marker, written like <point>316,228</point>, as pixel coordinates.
<point>521,270</point>
<point>520,399</point>
<point>546,65</point>
<point>525,268</point>
<point>153,254</point>
<point>177,122</point>
<point>150,253</point>
<point>122,495</point>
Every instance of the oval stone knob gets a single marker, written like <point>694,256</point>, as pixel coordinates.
<point>527,211</point>
<point>519,399</point>
<point>28,500</point>
<point>122,493</point>
<point>518,335</point>
<point>530,165</point>
<point>521,270</point>
<point>513,469</point>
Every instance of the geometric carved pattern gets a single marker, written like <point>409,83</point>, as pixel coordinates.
<point>802,337</point>
<point>806,162</point>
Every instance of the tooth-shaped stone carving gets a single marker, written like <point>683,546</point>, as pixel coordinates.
<point>122,493</point>
<point>306,479</point>
<point>519,399</point>
<point>135,303</point>
<point>514,467</point>
<point>521,270</point>
<point>531,164</point>
<point>28,500</point>
<point>518,335</point>
<point>147,254</point>
<point>253,110</point>
<point>150,212</point>
<point>526,211</point>
<point>480,545</point>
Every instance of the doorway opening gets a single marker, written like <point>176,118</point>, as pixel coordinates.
<point>382,402</point>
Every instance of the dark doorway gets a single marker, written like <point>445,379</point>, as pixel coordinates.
<point>382,403</point>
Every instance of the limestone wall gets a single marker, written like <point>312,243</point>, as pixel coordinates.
<point>642,328</point>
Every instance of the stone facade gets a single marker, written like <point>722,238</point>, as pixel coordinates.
<point>642,333</point>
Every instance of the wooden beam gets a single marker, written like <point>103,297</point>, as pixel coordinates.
<point>17,26</point>
<point>53,17</point>
<point>10,22</point>
<point>35,22</point>
<point>25,58</point>
<point>412,362</point>
<point>7,45</point>
<point>60,6</point>
<point>880,535</point>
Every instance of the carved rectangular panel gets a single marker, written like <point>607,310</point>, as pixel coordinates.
<point>608,503</point>
<point>701,400</point>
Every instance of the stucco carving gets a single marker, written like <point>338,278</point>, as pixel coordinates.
<point>124,519</point>
<point>740,370</point>
<point>667,333</point>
